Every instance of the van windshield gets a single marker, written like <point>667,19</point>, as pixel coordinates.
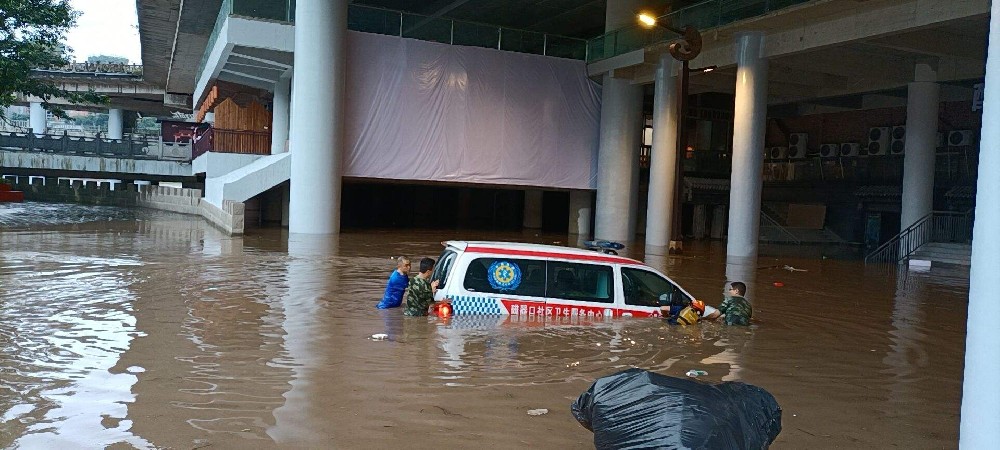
<point>443,267</point>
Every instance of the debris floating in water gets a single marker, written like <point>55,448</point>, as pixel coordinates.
<point>379,337</point>
<point>696,373</point>
<point>537,412</point>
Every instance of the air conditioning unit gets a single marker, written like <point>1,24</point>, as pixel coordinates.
<point>959,138</point>
<point>878,141</point>
<point>647,136</point>
<point>798,145</point>
<point>897,140</point>
<point>777,152</point>
<point>850,149</point>
<point>829,150</point>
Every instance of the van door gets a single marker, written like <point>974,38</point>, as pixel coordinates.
<point>642,290</point>
<point>501,285</point>
<point>578,290</point>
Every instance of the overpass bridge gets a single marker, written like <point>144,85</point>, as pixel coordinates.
<point>123,84</point>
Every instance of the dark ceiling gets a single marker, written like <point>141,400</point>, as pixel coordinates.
<point>574,18</point>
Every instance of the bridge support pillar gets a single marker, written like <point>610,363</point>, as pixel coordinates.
<point>750,116</point>
<point>663,157</point>
<point>36,118</point>
<point>980,389</point>
<point>317,134</point>
<point>922,103</point>
<point>114,123</point>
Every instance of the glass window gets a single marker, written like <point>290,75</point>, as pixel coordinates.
<point>443,267</point>
<point>584,282</point>
<point>506,276</point>
<point>643,288</point>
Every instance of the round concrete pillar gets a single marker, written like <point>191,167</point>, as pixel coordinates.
<point>618,160</point>
<point>980,389</point>
<point>918,160</point>
<point>750,115</point>
<point>114,123</point>
<point>316,138</point>
<point>580,213</point>
<point>663,157</point>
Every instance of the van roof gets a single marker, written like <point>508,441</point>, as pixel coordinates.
<point>538,250</point>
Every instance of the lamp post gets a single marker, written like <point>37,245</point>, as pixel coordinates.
<point>683,50</point>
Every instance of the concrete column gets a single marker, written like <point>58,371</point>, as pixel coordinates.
<point>980,389</point>
<point>618,152</point>
<point>114,123</point>
<point>663,157</point>
<point>532,208</point>
<point>279,114</point>
<point>617,160</point>
<point>580,213</point>
<point>750,116</point>
<point>317,135</point>
<point>922,105</point>
<point>36,118</point>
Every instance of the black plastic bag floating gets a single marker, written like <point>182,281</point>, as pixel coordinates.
<point>641,409</point>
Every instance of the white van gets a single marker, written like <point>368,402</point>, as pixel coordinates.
<point>502,278</point>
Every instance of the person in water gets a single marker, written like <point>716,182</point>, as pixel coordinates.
<point>420,294</point>
<point>735,308</point>
<point>398,281</point>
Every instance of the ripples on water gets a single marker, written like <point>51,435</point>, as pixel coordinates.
<point>154,330</point>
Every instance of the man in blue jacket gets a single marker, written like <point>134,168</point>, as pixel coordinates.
<point>398,281</point>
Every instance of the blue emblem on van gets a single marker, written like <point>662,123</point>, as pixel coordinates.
<point>504,275</point>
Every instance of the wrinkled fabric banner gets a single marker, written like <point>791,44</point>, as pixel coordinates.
<point>419,110</point>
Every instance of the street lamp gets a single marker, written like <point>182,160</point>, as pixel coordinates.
<point>683,50</point>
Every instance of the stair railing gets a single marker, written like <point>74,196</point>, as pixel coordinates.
<point>767,221</point>
<point>936,226</point>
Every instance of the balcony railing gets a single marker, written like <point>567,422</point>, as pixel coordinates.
<point>130,147</point>
<point>396,23</point>
<point>703,16</point>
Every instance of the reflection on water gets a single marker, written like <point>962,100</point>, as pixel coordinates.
<point>156,331</point>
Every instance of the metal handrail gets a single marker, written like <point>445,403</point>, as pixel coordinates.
<point>771,223</point>
<point>906,242</point>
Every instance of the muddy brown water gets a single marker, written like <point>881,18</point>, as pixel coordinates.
<point>130,328</point>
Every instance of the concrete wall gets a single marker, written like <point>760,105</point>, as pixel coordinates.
<point>229,217</point>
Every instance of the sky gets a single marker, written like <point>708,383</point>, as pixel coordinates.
<point>105,27</point>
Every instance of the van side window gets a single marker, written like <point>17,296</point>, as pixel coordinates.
<point>506,276</point>
<point>443,267</point>
<point>584,282</point>
<point>644,288</point>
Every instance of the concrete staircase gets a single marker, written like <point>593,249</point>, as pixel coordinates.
<point>944,252</point>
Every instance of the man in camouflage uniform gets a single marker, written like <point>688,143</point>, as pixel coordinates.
<point>736,309</point>
<point>420,293</point>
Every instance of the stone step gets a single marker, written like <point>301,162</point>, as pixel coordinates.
<point>937,260</point>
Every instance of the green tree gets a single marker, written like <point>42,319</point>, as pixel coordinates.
<point>31,34</point>
<point>107,59</point>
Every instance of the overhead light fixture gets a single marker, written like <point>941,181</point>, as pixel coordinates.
<point>647,19</point>
<point>705,69</point>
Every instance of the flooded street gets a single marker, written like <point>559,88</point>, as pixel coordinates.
<point>134,328</point>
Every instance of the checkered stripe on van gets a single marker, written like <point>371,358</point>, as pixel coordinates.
<point>476,305</point>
